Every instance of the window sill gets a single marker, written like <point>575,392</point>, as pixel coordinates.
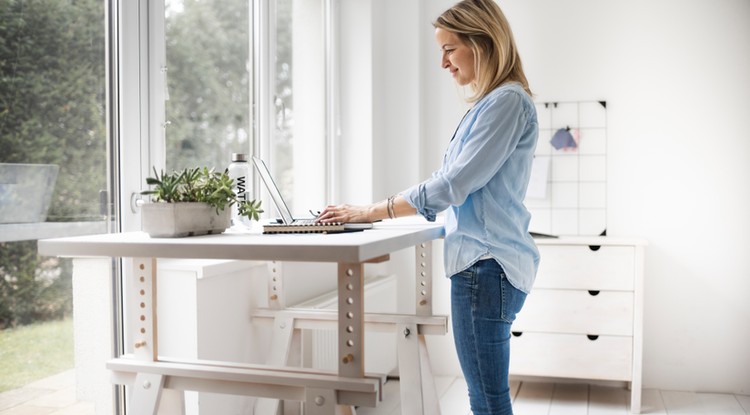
<point>11,232</point>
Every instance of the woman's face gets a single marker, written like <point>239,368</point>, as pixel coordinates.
<point>457,56</point>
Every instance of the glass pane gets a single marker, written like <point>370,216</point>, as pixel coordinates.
<point>297,147</point>
<point>208,50</point>
<point>53,168</point>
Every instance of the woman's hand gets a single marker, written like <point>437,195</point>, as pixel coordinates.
<point>344,213</point>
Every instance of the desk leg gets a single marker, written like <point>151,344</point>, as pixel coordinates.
<point>323,402</point>
<point>351,320</point>
<point>283,330</point>
<point>415,374</point>
<point>320,402</point>
<point>351,337</point>
<point>147,389</point>
<point>147,393</point>
<point>423,279</point>
<point>275,286</point>
<point>143,309</point>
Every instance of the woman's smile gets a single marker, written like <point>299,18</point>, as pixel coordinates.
<point>457,57</point>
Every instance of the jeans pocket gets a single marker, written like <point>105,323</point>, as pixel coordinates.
<point>512,300</point>
<point>467,274</point>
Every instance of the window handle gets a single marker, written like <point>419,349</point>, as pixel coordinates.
<point>278,102</point>
<point>104,206</point>
<point>136,202</point>
<point>164,70</point>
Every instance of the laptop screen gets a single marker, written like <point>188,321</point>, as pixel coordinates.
<point>273,190</point>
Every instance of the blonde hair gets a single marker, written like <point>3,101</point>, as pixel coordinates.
<point>482,26</point>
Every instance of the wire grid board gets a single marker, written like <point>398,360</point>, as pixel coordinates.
<point>571,193</point>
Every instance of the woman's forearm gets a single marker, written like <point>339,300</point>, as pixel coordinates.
<point>391,208</point>
<point>394,207</point>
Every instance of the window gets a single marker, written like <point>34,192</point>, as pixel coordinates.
<point>240,76</point>
<point>247,76</point>
<point>297,142</point>
<point>54,177</point>
<point>208,82</point>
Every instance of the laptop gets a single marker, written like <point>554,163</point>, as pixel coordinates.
<point>288,222</point>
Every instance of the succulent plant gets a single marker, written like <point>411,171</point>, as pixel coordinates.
<point>200,185</point>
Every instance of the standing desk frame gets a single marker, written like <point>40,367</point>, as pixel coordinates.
<point>322,392</point>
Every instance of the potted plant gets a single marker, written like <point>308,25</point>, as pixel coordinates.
<point>192,202</point>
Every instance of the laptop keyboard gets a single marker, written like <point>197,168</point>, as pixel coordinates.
<point>303,222</point>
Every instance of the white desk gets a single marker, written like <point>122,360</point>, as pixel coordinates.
<point>322,393</point>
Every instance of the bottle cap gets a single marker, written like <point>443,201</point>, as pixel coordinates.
<point>239,157</point>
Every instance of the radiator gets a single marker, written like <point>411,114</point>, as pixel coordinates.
<point>319,347</point>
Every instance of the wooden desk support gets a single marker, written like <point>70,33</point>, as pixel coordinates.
<point>148,378</point>
<point>415,374</point>
<point>317,319</point>
<point>323,393</point>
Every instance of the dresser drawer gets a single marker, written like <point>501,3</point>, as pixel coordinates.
<point>571,356</point>
<point>580,267</point>
<point>577,312</point>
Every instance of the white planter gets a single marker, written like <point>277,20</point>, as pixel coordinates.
<point>174,220</point>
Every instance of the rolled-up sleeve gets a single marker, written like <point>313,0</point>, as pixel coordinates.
<point>416,196</point>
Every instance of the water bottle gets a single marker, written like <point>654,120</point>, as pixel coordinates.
<point>239,172</point>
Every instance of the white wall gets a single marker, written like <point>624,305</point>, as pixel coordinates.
<point>676,77</point>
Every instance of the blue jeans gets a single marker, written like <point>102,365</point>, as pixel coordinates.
<point>483,306</point>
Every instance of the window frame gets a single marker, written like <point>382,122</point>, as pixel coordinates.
<point>143,109</point>
<point>137,89</point>
<point>264,80</point>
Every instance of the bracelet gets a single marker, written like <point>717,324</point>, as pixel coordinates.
<point>389,207</point>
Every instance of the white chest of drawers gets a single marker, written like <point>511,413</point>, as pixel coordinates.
<point>584,317</point>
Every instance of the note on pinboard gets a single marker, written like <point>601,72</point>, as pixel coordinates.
<point>539,178</point>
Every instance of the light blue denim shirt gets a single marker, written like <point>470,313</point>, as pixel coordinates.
<point>482,183</point>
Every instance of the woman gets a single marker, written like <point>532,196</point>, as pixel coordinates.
<point>489,255</point>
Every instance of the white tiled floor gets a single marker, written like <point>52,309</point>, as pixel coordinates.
<point>543,398</point>
<point>56,396</point>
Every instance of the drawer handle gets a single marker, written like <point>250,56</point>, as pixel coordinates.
<point>593,293</point>
<point>516,333</point>
<point>594,247</point>
<point>592,337</point>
